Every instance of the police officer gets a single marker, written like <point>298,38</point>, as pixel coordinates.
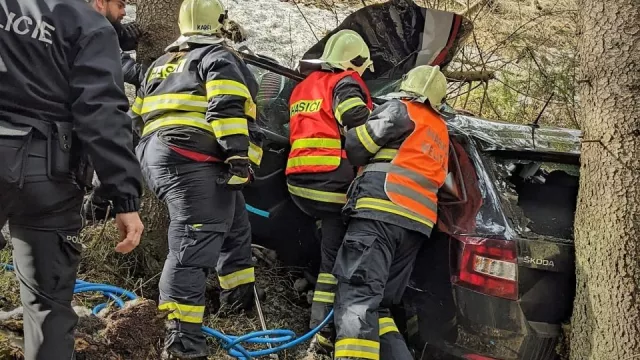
<point>197,115</point>
<point>403,150</point>
<point>61,97</point>
<point>96,206</point>
<point>128,36</point>
<point>318,174</point>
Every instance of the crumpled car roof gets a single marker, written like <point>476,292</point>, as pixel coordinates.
<point>498,135</point>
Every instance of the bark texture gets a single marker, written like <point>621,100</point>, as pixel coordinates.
<point>606,318</point>
<point>159,21</point>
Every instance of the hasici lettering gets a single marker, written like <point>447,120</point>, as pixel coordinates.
<point>28,26</point>
<point>305,106</point>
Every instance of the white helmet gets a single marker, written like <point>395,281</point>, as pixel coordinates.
<point>347,50</point>
<point>426,81</point>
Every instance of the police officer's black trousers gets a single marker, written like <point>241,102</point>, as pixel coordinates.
<point>209,229</point>
<point>44,220</point>
<point>333,228</point>
<point>373,268</point>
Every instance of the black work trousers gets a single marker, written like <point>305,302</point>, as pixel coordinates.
<point>333,228</point>
<point>373,268</point>
<point>44,221</point>
<point>209,229</point>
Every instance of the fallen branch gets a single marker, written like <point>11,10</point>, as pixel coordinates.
<point>469,76</point>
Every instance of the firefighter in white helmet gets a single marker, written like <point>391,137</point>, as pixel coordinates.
<point>403,150</point>
<point>328,101</point>
<point>199,140</point>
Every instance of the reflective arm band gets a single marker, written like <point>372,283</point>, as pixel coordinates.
<point>255,153</point>
<point>347,105</point>
<point>227,87</point>
<point>366,140</point>
<point>385,154</point>
<point>324,297</point>
<point>136,108</point>
<point>229,126</point>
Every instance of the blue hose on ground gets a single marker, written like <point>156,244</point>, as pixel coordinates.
<point>286,338</point>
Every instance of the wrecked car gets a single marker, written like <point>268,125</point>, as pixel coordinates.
<point>496,278</point>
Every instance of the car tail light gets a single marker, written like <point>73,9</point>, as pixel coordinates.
<point>488,266</point>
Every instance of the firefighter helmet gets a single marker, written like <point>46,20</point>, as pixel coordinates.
<point>426,81</point>
<point>201,17</point>
<point>347,50</point>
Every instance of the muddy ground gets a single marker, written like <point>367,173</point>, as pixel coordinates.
<point>136,331</point>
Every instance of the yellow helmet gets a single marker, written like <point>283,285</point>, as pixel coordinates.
<point>201,17</point>
<point>347,50</point>
<point>426,81</point>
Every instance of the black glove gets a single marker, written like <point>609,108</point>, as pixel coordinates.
<point>128,36</point>
<point>238,175</point>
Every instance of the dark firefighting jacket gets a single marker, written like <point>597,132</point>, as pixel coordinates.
<point>202,100</point>
<point>60,64</point>
<point>403,154</point>
<point>321,106</point>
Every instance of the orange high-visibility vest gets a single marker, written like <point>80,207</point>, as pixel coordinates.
<point>420,166</point>
<point>316,146</point>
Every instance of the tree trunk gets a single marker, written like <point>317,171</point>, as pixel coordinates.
<point>606,317</point>
<point>159,21</point>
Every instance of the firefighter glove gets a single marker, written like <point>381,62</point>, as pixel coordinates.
<point>129,36</point>
<point>237,175</point>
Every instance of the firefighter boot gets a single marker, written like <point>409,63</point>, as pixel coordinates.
<point>322,342</point>
<point>239,299</point>
<point>184,341</point>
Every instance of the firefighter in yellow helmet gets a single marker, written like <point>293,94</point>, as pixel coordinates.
<point>328,101</point>
<point>199,140</point>
<point>403,152</point>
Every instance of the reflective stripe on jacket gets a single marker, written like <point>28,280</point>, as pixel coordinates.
<point>202,100</point>
<point>316,146</point>
<point>403,152</point>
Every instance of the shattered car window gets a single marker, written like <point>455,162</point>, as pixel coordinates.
<point>540,197</point>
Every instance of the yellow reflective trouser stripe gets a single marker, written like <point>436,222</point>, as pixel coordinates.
<point>366,140</point>
<point>385,154</point>
<point>255,153</point>
<point>412,325</point>
<point>229,126</point>
<point>347,105</point>
<point>237,278</point>
<point>136,108</point>
<point>390,207</point>
<point>357,348</point>
<point>183,102</point>
<point>186,313</point>
<point>387,325</point>
<point>185,119</point>
<point>322,196</point>
<point>316,143</point>
<point>324,297</point>
<point>313,161</point>
<point>326,278</point>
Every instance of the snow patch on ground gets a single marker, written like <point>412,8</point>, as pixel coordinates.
<point>278,29</point>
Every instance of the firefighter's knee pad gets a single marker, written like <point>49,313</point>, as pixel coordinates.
<point>197,245</point>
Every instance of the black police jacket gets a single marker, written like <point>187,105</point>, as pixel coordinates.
<point>60,63</point>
